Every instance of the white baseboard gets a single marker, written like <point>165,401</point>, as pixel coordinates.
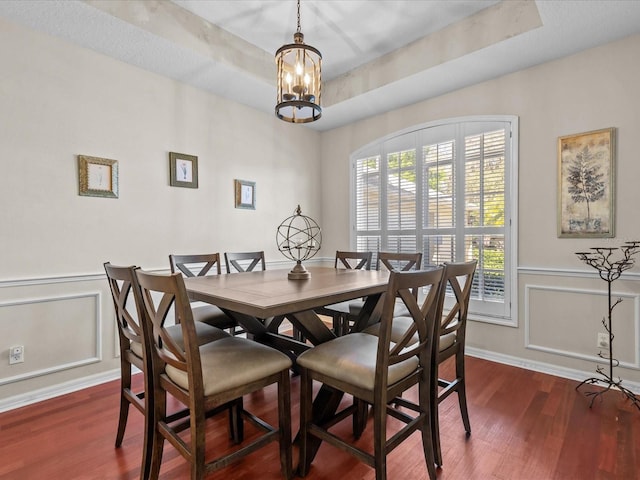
<point>549,369</point>
<point>39,395</point>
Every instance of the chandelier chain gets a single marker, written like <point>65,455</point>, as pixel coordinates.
<point>298,16</point>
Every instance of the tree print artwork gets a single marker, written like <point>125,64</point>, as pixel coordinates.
<point>585,181</point>
<point>586,184</point>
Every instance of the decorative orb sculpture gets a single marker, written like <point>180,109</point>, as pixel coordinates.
<point>299,238</point>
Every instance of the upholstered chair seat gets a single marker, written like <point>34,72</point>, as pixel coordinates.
<point>232,362</point>
<point>352,359</point>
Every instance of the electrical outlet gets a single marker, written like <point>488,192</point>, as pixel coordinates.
<point>16,354</point>
<point>603,340</point>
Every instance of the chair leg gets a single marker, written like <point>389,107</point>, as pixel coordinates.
<point>122,421</point>
<point>462,400</point>
<point>157,443</point>
<point>462,392</point>
<point>125,385</point>
<point>147,442</point>
<point>198,460</point>
<point>360,417</point>
<point>236,425</point>
<point>435,433</point>
<point>306,400</point>
<point>284,425</point>
<point>380,440</point>
<point>429,431</point>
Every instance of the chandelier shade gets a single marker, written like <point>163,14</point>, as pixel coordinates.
<point>299,80</point>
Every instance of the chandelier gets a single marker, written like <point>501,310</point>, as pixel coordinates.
<point>299,80</point>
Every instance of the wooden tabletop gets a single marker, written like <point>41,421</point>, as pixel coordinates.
<point>268,293</point>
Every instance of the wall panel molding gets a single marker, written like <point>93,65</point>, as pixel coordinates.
<point>635,298</point>
<point>95,358</point>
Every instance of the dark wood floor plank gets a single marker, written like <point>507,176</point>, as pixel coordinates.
<point>525,425</point>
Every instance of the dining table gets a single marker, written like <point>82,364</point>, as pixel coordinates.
<point>260,300</point>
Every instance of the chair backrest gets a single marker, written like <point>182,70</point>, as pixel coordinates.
<point>159,294</point>
<point>197,265</point>
<point>423,314</point>
<point>122,285</point>
<point>458,279</point>
<point>244,261</point>
<point>353,260</point>
<point>402,262</point>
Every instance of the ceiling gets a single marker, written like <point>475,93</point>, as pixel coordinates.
<point>378,55</point>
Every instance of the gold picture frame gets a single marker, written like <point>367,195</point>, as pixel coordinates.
<point>97,177</point>
<point>586,184</point>
<point>245,194</point>
<point>183,170</point>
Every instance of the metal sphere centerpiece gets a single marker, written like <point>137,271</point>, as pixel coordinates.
<point>299,238</point>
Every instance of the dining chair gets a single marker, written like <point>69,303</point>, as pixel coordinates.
<point>204,379</point>
<point>450,336</point>
<point>134,352</point>
<point>244,261</point>
<point>375,370</point>
<point>199,265</point>
<point>339,312</point>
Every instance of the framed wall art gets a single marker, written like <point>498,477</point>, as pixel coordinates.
<point>245,194</point>
<point>97,177</point>
<point>183,170</point>
<point>586,184</point>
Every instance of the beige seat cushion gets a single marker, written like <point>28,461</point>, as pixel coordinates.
<point>205,333</point>
<point>232,362</point>
<point>352,359</point>
<point>401,325</point>
<point>212,315</point>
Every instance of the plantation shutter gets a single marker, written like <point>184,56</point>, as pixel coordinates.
<point>442,190</point>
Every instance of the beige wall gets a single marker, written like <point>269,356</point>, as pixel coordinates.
<point>558,314</point>
<point>57,101</point>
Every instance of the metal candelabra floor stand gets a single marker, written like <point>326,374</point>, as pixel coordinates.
<point>609,269</point>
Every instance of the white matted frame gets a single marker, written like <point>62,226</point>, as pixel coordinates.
<point>183,170</point>
<point>97,177</point>
<point>245,194</point>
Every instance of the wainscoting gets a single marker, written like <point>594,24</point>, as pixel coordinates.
<point>67,328</point>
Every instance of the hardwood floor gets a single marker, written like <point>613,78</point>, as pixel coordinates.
<point>525,425</point>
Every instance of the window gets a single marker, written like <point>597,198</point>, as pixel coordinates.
<point>448,190</point>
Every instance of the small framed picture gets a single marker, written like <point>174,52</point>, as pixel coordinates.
<point>586,184</point>
<point>183,170</point>
<point>97,177</point>
<point>245,193</point>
